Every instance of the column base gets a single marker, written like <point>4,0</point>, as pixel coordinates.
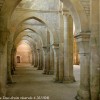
<point>12,72</point>
<point>39,68</point>
<point>47,73</point>
<point>44,71</point>
<point>9,80</point>
<point>51,72</point>
<point>61,79</point>
<point>69,79</point>
<point>35,66</point>
<point>83,95</point>
<point>2,91</point>
<point>56,79</point>
<point>95,94</point>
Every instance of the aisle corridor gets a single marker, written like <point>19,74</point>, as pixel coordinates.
<point>31,82</point>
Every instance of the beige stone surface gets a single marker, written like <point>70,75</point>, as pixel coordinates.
<point>40,24</point>
<point>31,82</point>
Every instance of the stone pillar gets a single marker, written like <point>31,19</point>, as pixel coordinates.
<point>56,62</point>
<point>13,61</point>
<point>39,59</point>
<point>83,45</point>
<point>51,61</point>
<point>41,54</point>
<point>35,58</point>
<point>94,47</point>
<point>48,61</point>
<point>68,49</point>
<point>9,48</point>
<point>3,70</point>
<point>61,48</point>
<point>44,60</point>
<point>2,92</point>
<point>61,62</point>
<point>33,62</point>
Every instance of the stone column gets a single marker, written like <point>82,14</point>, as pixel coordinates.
<point>56,62</point>
<point>68,48</point>
<point>1,76</point>
<point>51,61</point>
<point>41,54</point>
<point>35,58</point>
<point>83,45</point>
<point>39,59</point>
<point>61,62</point>
<point>33,62</point>
<point>3,70</point>
<point>61,48</point>
<point>13,61</point>
<point>48,60</point>
<point>9,48</point>
<point>44,60</point>
<point>94,47</point>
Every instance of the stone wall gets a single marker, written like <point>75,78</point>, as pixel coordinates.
<point>25,54</point>
<point>86,6</point>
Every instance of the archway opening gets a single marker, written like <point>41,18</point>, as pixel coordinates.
<point>76,60</point>
<point>23,54</point>
<point>20,56</point>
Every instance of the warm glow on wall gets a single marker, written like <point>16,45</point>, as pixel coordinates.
<point>23,54</point>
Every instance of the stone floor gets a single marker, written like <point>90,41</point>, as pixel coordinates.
<point>31,84</point>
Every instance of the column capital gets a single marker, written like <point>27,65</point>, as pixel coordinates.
<point>83,36</point>
<point>82,40</point>
<point>38,50</point>
<point>55,46</point>
<point>45,49</point>
<point>66,13</point>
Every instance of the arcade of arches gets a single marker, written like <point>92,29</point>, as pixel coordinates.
<point>50,47</point>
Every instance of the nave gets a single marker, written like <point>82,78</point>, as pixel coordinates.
<point>30,82</point>
<point>56,35</point>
